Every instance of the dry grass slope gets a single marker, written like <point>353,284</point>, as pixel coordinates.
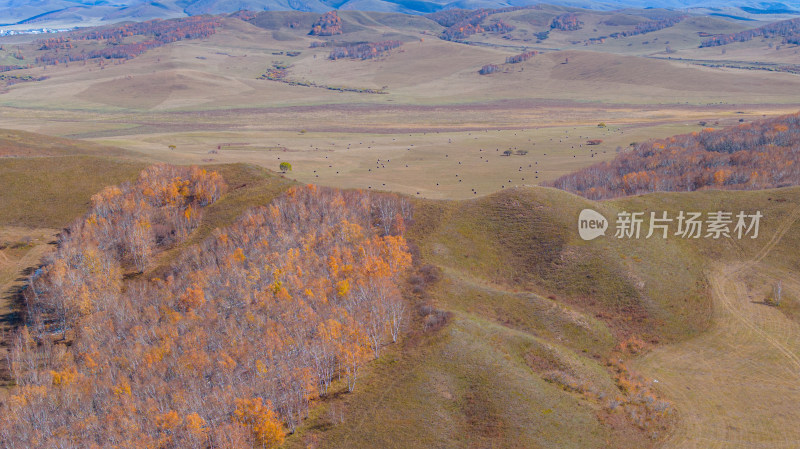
<point>49,192</point>
<point>495,275</point>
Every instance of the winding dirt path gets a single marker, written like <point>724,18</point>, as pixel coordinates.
<point>737,385</point>
<point>12,276</point>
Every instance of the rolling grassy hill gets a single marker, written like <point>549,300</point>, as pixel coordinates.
<point>525,293</point>
<point>515,324</point>
<point>221,71</point>
<point>208,97</point>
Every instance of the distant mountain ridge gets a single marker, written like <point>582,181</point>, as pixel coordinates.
<point>47,12</point>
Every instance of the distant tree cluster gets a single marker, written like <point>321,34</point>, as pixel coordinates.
<point>488,69</point>
<point>328,24</point>
<point>595,40</point>
<point>467,27</point>
<point>229,347</point>
<point>522,57</point>
<point>750,156</point>
<point>794,39</point>
<point>318,44</point>
<point>492,68</point>
<point>367,50</point>
<point>244,15</point>
<point>450,17</point>
<point>275,74</point>
<point>8,68</point>
<point>165,31</point>
<point>650,26</point>
<point>566,22</point>
<point>462,23</point>
<point>157,33</point>
<point>61,42</point>
<point>788,29</point>
<point>10,80</point>
<point>500,27</point>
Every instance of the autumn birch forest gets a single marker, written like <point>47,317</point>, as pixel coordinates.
<point>750,156</point>
<point>226,347</point>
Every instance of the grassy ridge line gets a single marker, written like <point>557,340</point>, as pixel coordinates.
<point>17,143</point>
<point>467,386</point>
<point>525,239</point>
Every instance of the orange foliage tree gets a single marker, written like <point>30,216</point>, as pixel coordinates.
<point>749,156</point>
<point>229,346</point>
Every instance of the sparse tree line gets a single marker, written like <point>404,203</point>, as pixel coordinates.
<point>500,27</point>
<point>367,50</point>
<point>244,15</point>
<point>650,26</point>
<point>489,69</point>
<point>281,73</point>
<point>493,68</point>
<point>10,80</point>
<point>159,32</point>
<point>522,57</point>
<point>229,347</point>
<point>566,22</point>
<point>636,398</point>
<point>788,29</point>
<point>749,156</point>
<point>8,68</point>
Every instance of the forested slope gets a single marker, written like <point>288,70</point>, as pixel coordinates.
<point>750,156</point>
<point>231,344</point>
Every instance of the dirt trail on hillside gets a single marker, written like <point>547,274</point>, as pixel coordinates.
<point>12,276</point>
<point>737,385</point>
